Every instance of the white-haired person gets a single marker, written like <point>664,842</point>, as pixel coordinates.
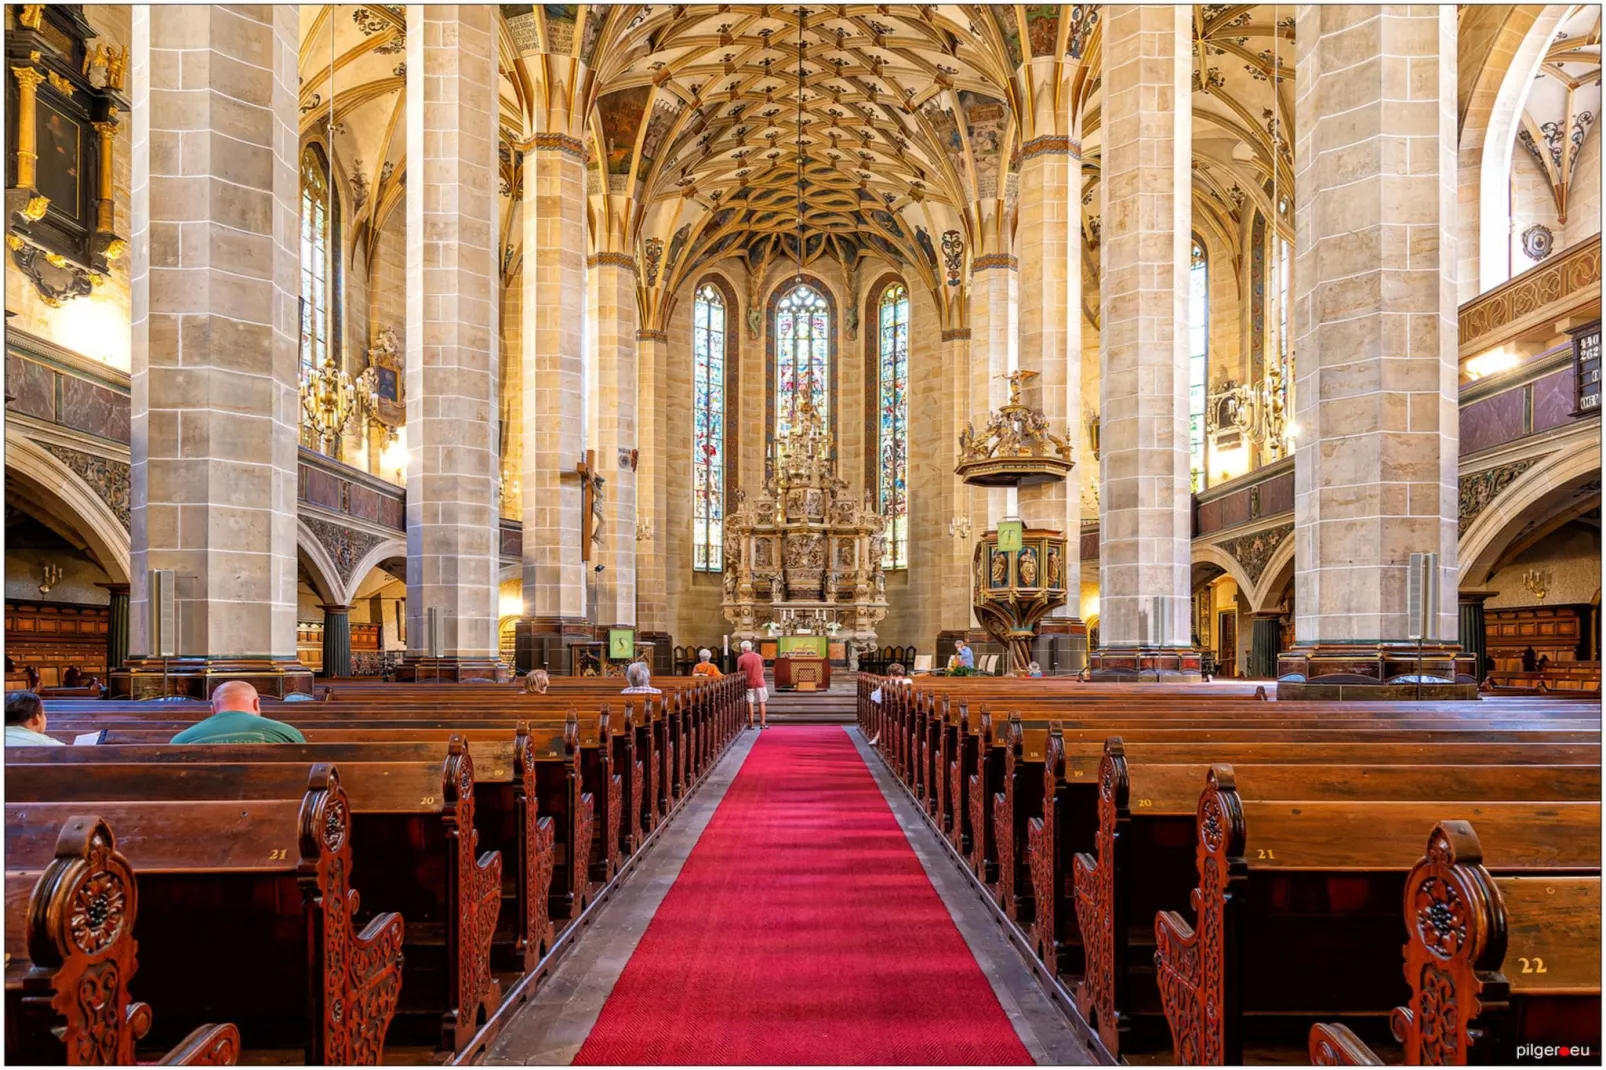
<point>751,665</point>
<point>705,665</point>
<point>639,677</point>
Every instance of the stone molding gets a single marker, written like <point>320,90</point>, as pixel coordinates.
<point>108,478</point>
<point>569,146</point>
<point>618,260</point>
<point>994,260</point>
<point>648,335</point>
<point>1478,489</point>
<point>956,334</point>
<point>1050,145</point>
<point>1529,296</point>
<point>345,546</point>
<point>1255,550</point>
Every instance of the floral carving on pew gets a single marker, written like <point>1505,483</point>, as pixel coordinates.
<point>1190,960</point>
<point>1004,821</point>
<point>362,972</point>
<point>539,845</point>
<point>1103,934</point>
<point>479,900</point>
<point>1042,833</point>
<point>1457,942</point>
<point>582,823</point>
<point>1332,1044</point>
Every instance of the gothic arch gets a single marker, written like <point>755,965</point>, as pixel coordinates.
<point>1279,571</point>
<point>1537,492</point>
<point>1206,554</point>
<point>51,481</point>
<point>781,289</point>
<point>369,561</point>
<point>320,566</point>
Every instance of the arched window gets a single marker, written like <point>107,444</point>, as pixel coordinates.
<point>317,239</point>
<point>802,355</point>
<point>892,379</point>
<point>708,429</point>
<point>1198,358</point>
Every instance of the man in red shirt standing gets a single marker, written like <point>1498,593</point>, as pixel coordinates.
<point>751,665</point>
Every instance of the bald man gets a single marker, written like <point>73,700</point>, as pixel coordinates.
<point>237,718</point>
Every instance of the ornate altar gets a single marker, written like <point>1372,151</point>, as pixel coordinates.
<point>63,99</point>
<point>805,553</point>
<point>1012,591</point>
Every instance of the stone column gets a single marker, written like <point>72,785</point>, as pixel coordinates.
<point>953,581</point>
<point>1375,471</point>
<point>452,372</point>
<point>1474,630</point>
<point>554,398</point>
<point>215,275</point>
<point>618,403</point>
<point>652,485</point>
<point>1145,522</point>
<point>1265,643</point>
<point>993,277</point>
<point>1051,345</point>
<point>116,625</point>
<point>336,640</point>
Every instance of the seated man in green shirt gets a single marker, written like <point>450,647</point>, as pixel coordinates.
<point>237,718</point>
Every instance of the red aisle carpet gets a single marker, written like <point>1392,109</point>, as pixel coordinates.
<point>802,930</point>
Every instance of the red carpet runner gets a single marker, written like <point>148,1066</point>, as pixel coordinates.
<point>802,930</point>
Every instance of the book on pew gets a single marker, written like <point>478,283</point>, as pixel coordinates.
<point>89,739</point>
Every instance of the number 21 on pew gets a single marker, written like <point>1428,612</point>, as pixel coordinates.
<point>278,854</point>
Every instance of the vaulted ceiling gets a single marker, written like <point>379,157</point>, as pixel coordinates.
<point>1564,101</point>
<point>906,125</point>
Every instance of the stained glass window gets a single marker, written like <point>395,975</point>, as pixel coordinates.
<point>893,380</point>
<point>1198,355</point>
<point>802,354</point>
<point>708,430</point>
<point>315,272</point>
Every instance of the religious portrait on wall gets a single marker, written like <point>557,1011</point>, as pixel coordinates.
<point>60,158</point>
<point>1053,566</point>
<point>1028,567</point>
<point>763,553</point>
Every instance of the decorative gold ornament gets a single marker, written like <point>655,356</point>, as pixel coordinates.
<point>13,242</point>
<point>36,207</point>
<point>59,84</point>
<point>328,401</point>
<point>56,260</point>
<point>1016,449</point>
<point>1536,582</point>
<point>116,249</point>
<point>32,16</point>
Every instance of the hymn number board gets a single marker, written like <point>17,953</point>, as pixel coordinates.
<point>1586,362</point>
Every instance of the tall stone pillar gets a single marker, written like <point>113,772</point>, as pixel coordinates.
<point>953,584</point>
<point>452,370</point>
<point>1145,521</point>
<point>993,280</point>
<point>116,625</point>
<point>1375,387</point>
<point>555,400</point>
<point>1049,240</point>
<point>216,275</point>
<point>617,449</point>
<point>652,486</point>
<point>336,640</point>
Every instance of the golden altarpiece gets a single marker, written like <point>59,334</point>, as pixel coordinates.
<point>804,556</point>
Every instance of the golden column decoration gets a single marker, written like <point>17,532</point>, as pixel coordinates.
<point>28,80</point>
<point>107,129</point>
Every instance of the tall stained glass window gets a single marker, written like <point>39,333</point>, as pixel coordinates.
<point>802,354</point>
<point>893,381</point>
<point>708,430</point>
<point>1198,357</point>
<point>316,231</point>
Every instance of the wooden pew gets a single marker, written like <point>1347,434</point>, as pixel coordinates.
<point>1144,855</point>
<point>271,883</point>
<point>70,931</point>
<point>1263,863</point>
<point>1493,964</point>
<point>414,823</point>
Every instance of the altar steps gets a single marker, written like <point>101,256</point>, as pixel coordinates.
<point>836,706</point>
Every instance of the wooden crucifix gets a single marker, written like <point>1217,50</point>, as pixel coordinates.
<point>591,517</point>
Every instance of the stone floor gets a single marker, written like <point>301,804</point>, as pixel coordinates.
<point>550,1030</point>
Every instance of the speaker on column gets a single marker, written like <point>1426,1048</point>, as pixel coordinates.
<point>1422,597</point>
<point>163,609</point>
<point>435,631</point>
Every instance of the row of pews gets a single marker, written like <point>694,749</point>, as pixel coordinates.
<point>1211,877</point>
<point>388,891</point>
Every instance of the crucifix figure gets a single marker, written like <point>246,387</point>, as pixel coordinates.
<point>591,515</point>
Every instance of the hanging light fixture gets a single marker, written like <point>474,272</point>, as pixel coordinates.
<point>801,48</point>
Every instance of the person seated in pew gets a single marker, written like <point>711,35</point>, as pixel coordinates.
<point>705,665</point>
<point>237,718</point>
<point>963,657</point>
<point>25,721</point>
<point>896,669</point>
<point>639,677</point>
<point>537,682</point>
<point>73,677</point>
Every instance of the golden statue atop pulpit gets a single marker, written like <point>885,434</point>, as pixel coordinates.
<point>806,549</point>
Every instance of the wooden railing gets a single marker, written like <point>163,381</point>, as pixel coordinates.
<point>1566,283</point>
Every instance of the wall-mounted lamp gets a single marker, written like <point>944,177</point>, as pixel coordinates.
<point>1537,582</point>
<point>50,575</point>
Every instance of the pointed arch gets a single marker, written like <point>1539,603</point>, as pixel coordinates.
<point>887,312</point>
<point>771,353</point>
<point>716,334</point>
